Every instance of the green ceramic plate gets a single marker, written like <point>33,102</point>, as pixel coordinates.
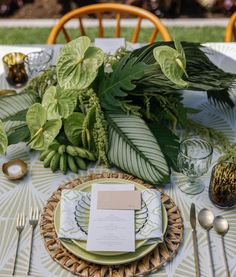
<point>139,215</point>
<point>78,248</point>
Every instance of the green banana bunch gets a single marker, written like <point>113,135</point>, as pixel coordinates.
<point>64,157</point>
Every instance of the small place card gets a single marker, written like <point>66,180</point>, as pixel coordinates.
<point>119,200</point>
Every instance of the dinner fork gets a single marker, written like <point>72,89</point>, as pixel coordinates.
<point>20,223</point>
<point>33,221</point>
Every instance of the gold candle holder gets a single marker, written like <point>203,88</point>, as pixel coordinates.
<point>15,69</point>
<point>14,169</point>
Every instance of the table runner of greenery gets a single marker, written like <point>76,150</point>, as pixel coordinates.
<point>123,110</point>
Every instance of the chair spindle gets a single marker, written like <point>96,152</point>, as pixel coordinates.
<point>100,26</point>
<point>118,17</point>
<point>153,35</point>
<point>136,30</point>
<point>66,35</point>
<point>81,26</point>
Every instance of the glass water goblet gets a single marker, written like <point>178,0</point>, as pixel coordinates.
<point>194,159</point>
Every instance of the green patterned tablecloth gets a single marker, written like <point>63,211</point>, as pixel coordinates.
<point>38,185</point>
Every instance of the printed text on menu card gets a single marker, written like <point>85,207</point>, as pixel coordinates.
<point>110,230</point>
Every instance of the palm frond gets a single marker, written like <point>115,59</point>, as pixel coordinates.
<point>202,73</point>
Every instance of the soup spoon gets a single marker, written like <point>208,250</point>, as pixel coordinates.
<point>206,218</point>
<point>221,226</point>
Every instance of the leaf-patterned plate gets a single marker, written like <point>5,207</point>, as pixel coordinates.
<point>82,213</point>
<point>107,258</point>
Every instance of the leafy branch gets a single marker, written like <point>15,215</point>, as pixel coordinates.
<point>120,81</point>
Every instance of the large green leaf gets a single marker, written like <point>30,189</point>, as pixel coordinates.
<point>172,63</point>
<point>19,116</point>
<point>3,139</point>
<point>78,64</point>
<point>59,102</point>
<point>120,81</point>
<point>134,149</point>
<point>42,131</point>
<point>73,127</point>
<point>13,104</point>
<point>168,141</point>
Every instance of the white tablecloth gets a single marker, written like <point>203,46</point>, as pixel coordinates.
<point>38,185</point>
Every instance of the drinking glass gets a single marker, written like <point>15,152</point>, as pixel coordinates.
<point>194,159</point>
<point>14,67</point>
<point>37,62</point>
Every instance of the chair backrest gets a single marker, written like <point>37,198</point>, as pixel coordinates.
<point>230,32</point>
<point>118,9</point>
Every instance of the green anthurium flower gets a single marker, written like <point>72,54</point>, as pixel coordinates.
<point>172,62</point>
<point>78,64</point>
<point>42,130</point>
<point>58,102</point>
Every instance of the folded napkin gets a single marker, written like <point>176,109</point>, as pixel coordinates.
<point>74,215</point>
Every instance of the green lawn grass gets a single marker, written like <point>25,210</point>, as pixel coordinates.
<point>39,35</point>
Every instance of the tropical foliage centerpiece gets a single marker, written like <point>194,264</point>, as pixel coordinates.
<point>121,110</point>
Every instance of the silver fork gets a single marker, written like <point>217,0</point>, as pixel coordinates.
<point>33,221</point>
<point>20,223</point>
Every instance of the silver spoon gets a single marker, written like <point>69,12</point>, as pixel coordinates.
<point>221,226</point>
<point>206,218</point>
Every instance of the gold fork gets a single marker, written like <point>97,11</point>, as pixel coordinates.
<point>20,223</point>
<point>33,221</point>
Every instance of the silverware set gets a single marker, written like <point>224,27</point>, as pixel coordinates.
<point>207,221</point>
<point>20,224</point>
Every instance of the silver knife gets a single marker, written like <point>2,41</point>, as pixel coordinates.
<point>194,235</point>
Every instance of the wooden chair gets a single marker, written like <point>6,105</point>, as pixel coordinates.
<point>230,32</point>
<point>118,9</point>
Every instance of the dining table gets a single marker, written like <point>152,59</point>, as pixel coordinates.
<point>33,190</point>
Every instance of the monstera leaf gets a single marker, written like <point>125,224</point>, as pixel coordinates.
<point>73,127</point>
<point>59,102</point>
<point>134,149</point>
<point>42,131</point>
<point>172,62</point>
<point>78,64</point>
<point>120,81</point>
<point>3,139</point>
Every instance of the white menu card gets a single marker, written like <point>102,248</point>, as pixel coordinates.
<point>110,230</point>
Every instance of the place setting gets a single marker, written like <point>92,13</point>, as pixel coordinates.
<point>111,219</point>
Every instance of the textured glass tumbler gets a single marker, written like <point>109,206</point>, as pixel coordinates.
<point>14,67</point>
<point>37,62</point>
<point>194,159</point>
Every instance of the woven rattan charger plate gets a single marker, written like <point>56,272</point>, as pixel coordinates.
<point>163,253</point>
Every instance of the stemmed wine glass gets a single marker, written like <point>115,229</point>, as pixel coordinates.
<point>194,159</point>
